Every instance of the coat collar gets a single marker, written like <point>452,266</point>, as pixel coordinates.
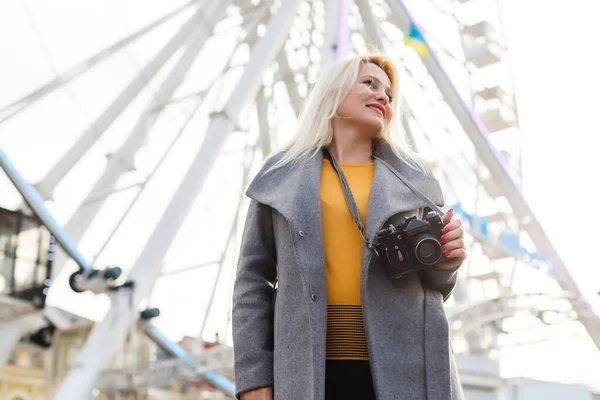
<point>294,190</point>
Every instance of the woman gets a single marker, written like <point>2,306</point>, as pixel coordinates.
<point>336,327</point>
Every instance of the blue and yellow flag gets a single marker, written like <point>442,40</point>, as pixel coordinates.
<point>415,40</point>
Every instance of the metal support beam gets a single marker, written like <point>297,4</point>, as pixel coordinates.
<point>344,42</point>
<point>330,34</point>
<point>35,202</point>
<point>122,160</point>
<point>189,268</point>
<point>224,385</point>
<point>496,164</point>
<point>262,108</point>
<point>143,185</point>
<point>372,30</point>
<point>185,368</point>
<point>230,238</point>
<point>11,332</point>
<point>47,185</point>
<point>287,76</point>
<point>28,100</point>
<point>475,315</point>
<point>108,335</point>
<point>249,27</point>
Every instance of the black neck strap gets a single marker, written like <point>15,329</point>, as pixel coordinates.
<point>350,199</point>
<point>347,194</point>
<point>412,187</point>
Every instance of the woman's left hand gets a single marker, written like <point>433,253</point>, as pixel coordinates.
<point>453,245</point>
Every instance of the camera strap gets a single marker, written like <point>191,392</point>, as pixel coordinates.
<point>412,187</point>
<point>350,199</point>
<point>348,196</point>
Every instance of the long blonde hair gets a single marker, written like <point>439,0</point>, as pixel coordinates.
<point>322,104</point>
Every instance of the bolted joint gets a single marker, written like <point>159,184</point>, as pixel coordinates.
<point>149,313</point>
<point>112,272</point>
<point>94,280</point>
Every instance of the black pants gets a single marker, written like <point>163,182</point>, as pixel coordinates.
<point>348,380</point>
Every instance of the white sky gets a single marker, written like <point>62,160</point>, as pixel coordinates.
<point>556,62</point>
<point>553,47</point>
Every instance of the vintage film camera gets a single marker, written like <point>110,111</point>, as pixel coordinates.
<point>411,246</point>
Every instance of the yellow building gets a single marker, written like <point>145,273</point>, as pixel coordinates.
<point>34,373</point>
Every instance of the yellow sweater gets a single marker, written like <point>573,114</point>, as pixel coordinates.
<point>343,255</point>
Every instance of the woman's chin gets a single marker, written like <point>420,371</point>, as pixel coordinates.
<point>374,130</point>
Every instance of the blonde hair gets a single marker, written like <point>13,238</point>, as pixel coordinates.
<point>322,104</point>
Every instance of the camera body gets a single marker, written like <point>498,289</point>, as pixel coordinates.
<point>411,245</point>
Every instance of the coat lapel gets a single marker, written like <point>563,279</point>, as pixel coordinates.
<point>292,190</point>
<point>295,192</point>
<point>390,196</point>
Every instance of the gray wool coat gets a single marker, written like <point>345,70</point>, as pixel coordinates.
<point>279,340</point>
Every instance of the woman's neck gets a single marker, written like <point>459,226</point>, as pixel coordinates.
<point>351,150</point>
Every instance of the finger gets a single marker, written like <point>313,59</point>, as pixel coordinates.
<point>453,224</point>
<point>459,254</point>
<point>448,216</point>
<point>452,245</point>
<point>453,234</point>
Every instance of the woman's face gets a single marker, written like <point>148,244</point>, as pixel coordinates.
<point>368,104</point>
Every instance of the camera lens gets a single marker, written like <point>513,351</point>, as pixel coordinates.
<point>427,249</point>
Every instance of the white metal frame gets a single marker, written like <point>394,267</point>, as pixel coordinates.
<point>495,163</point>
<point>108,335</point>
<point>31,98</point>
<point>330,35</point>
<point>47,185</point>
<point>122,160</point>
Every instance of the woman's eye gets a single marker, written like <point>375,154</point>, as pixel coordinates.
<point>390,98</point>
<point>370,83</point>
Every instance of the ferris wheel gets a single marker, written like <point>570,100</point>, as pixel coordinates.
<point>149,140</point>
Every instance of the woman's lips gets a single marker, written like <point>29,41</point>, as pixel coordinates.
<point>377,107</point>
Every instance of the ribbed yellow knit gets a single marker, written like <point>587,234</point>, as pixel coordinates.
<point>343,254</point>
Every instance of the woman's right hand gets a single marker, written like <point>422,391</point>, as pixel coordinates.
<point>265,393</point>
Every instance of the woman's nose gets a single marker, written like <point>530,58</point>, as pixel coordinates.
<point>382,97</point>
